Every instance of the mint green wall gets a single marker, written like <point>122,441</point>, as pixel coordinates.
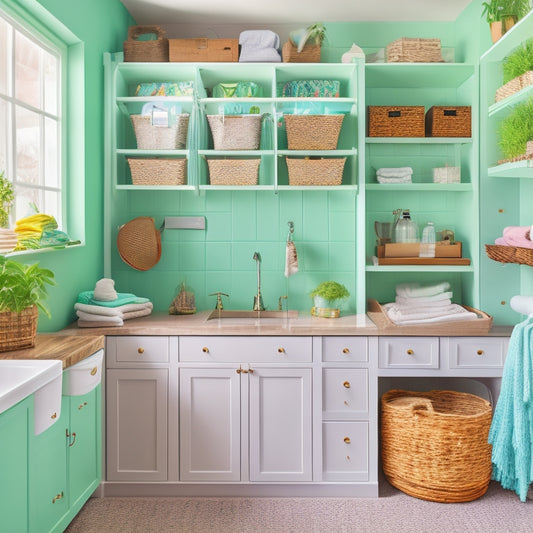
<point>102,26</point>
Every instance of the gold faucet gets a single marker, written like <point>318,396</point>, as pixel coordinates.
<point>280,305</point>
<point>258,298</point>
<point>219,305</point>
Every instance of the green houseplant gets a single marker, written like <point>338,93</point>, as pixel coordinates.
<point>516,130</point>
<point>327,297</point>
<point>23,289</point>
<point>519,62</point>
<point>7,197</point>
<point>503,14</point>
<point>313,34</point>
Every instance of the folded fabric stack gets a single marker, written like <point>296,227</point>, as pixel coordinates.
<point>517,236</point>
<point>104,307</point>
<point>394,175</point>
<point>418,304</point>
<point>259,46</point>
<point>8,240</point>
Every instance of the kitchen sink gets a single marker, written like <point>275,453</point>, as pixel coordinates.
<point>247,316</point>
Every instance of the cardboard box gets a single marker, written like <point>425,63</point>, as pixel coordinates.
<point>198,50</point>
<point>401,249</point>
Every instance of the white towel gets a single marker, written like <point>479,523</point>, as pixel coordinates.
<point>457,313</point>
<point>137,314</point>
<point>99,323</point>
<point>390,172</point>
<point>112,311</point>
<point>415,289</point>
<point>259,39</point>
<point>259,55</point>
<point>291,259</point>
<point>88,317</point>
<point>438,304</point>
<point>421,300</point>
<point>104,290</point>
<point>406,179</point>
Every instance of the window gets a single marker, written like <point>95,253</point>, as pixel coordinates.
<point>31,103</point>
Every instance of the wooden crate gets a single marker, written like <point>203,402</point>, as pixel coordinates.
<point>209,50</point>
<point>395,121</point>
<point>452,121</point>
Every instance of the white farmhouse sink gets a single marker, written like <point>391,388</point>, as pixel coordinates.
<point>21,377</point>
<point>84,376</point>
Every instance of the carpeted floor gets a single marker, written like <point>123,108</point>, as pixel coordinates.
<point>498,511</point>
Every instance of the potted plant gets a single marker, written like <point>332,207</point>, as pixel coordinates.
<point>516,130</point>
<point>23,289</point>
<point>327,297</point>
<point>519,62</point>
<point>304,44</point>
<point>7,197</point>
<point>503,14</point>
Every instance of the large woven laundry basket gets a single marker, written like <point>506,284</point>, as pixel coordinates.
<point>434,445</point>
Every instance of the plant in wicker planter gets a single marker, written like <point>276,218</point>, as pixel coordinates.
<point>23,291</point>
<point>516,130</point>
<point>7,197</point>
<point>519,62</point>
<point>304,44</point>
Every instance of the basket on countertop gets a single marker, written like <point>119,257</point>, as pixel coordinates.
<point>412,50</point>
<point>149,50</point>
<point>514,85</point>
<point>18,329</point>
<point>233,171</point>
<point>315,171</point>
<point>235,132</point>
<point>396,121</point>
<point>451,121</point>
<point>150,137</point>
<point>313,132</point>
<point>434,445</point>
<point>158,171</point>
<point>509,254</point>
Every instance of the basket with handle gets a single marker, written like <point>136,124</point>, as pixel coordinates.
<point>146,51</point>
<point>434,445</point>
<point>313,132</point>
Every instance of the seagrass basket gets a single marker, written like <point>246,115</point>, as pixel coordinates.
<point>319,171</point>
<point>18,330</point>
<point>233,171</point>
<point>310,53</point>
<point>434,445</point>
<point>151,137</point>
<point>452,121</point>
<point>515,85</point>
<point>396,121</point>
<point>509,254</point>
<point>158,171</point>
<point>235,132</point>
<point>146,51</point>
<point>412,50</point>
<point>313,132</point>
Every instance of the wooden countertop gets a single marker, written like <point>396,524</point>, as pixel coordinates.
<point>70,349</point>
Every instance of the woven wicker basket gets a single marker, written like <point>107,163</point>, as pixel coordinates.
<point>233,171</point>
<point>409,50</point>
<point>396,121</point>
<point>159,137</point>
<point>147,51</point>
<point>444,121</point>
<point>235,132</point>
<point>509,254</point>
<point>322,171</point>
<point>18,330</point>
<point>158,171</point>
<point>434,445</point>
<point>309,54</point>
<point>313,132</point>
<point>515,85</point>
<point>525,156</point>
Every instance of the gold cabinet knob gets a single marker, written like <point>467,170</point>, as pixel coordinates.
<point>239,370</point>
<point>251,370</point>
<point>409,352</point>
<point>205,349</point>
<point>281,350</point>
<point>53,416</point>
<point>347,384</point>
<point>57,497</point>
<point>347,440</point>
<point>140,350</point>
<point>346,350</point>
<point>480,352</point>
<point>94,371</point>
<point>82,406</point>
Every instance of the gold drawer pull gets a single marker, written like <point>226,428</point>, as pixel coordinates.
<point>346,350</point>
<point>347,440</point>
<point>281,350</point>
<point>347,384</point>
<point>239,370</point>
<point>57,497</point>
<point>205,349</point>
<point>82,406</point>
<point>410,352</point>
<point>480,352</point>
<point>251,370</point>
<point>94,371</point>
<point>140,350</point>
<point>53,416</point>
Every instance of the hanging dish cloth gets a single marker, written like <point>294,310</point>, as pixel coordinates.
<point>291,256</point>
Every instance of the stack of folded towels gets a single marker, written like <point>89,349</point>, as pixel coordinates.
<point>394,175</point>
<point>517,236</point>
<point>418,304</point>
<point>259,46</point>
<point>104,307</point>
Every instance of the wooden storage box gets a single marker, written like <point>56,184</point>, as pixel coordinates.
<point>452,121</point>
<point>209,50</point>
<point>412,50</point>
<point>146,51</point>
<point>395,121</point>
<point>412,249</point>
<point>309,54</point>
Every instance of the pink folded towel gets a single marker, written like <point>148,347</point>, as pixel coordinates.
<point>517,236</point>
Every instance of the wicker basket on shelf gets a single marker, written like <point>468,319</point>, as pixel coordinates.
<point>515,85</point>
<point>396,121</point>
<point>158,171</point>
<point>235,132</point>
<point>151,137</point>
<point>233,171</point>
<point>434,445</point>
<point>146,51</point>
<point>313,132</point>
<point>18,330</point>
<point>412,50</point>
<point>509,254</point>
<point>319,171</point>
<point>451,121</point>
<point>309,54</point>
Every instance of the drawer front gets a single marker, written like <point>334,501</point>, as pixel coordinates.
<point>345,451</point>
<point>246,349</point>
<point>345,349</point>
<point>344,392</point>
<point>477,352</point>
<point>408,352</point>
<point>137,349</point>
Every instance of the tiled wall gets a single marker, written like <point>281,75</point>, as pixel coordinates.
<point>238,223</point>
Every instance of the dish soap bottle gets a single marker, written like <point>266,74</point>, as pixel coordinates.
<point>427,243</point>
<point>405,229</point>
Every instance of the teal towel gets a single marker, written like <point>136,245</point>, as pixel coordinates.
<point>123,298</point>
<point>511,431</point>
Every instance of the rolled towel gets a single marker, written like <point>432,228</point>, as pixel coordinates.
<point>104,290</point>
<point>522,304</point>
<point>518,236</point>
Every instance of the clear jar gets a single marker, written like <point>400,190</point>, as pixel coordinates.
<point>406,230</point>
<point>427,243</point>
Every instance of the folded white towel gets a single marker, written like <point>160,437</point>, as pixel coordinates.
<point>136,314</point>
<point>413,313</point>
<point>259,55</point>
<point>406,179</point>
<point>390,172</point>
<point>437,304</point>
<point>104,290</point>
<point>116,320</point>
<point>98,323</point>
<point>415,289</point>
<point>259,39</point>
<point>421,300</point>
<point>457,314</point>
<point>112,311</point>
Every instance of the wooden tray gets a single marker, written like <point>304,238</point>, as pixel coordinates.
<point>423,261</point>
<point>386,326</point>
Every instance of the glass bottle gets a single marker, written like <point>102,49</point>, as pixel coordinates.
<point>406,230</point>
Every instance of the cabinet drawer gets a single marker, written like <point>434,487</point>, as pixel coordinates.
<point>246,349</point>
<point>477,352</point>
<point>137,349</point>
<point>346,349</point>
<point>345,451</point>
<point>344,392</point>
<point>408,352</point>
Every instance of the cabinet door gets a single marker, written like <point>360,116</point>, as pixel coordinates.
<point>210,408</point>
<point>84,446</point>
<point>137,424</point>
<point>280,424</point>
<point>14,424</point>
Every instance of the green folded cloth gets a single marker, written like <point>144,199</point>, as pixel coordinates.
<point>123,298</point>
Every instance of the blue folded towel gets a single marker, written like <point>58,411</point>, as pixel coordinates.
<point>123,298</point>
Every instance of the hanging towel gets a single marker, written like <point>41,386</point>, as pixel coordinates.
<point>415,289</point>
<point>291,259</point>
<point>511,431</point>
